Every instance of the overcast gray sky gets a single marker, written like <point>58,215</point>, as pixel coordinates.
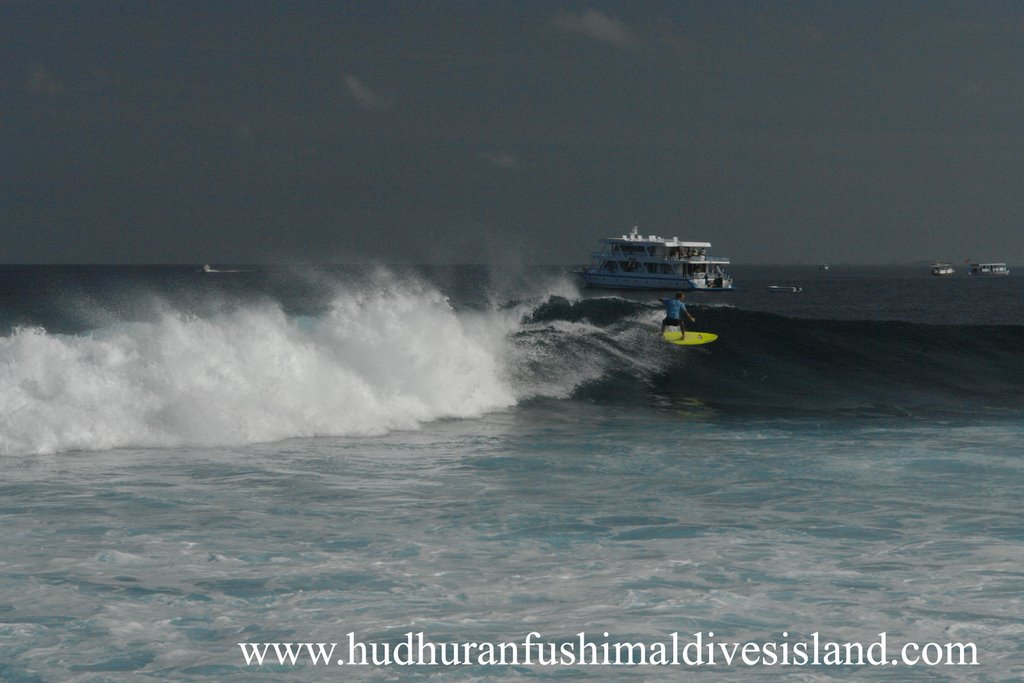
<point>471,132</point>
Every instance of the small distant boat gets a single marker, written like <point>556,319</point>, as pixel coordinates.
<point>988,269</point>
<point>784,289</point>
<point>208,269</point>
<point>823,266</point>
<point>942,268</point>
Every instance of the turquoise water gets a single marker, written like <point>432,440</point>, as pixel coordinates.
<point>531,491</point>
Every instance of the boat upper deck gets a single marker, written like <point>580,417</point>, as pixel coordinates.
<point>657,248</point>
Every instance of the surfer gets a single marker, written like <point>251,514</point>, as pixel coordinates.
<point>674,310</point>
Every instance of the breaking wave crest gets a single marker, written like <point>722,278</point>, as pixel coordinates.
<point>378,359</point>
<point>374,362</point>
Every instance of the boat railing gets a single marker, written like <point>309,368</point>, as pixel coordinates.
<point>675,258</point>
<point>708,258</point>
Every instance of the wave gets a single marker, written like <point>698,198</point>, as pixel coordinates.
<point>378,358</point>
<point>768,362</point>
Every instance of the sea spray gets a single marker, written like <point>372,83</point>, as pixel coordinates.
<point>376,361</point>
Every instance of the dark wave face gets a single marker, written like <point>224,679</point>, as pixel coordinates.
<point>769,362</point>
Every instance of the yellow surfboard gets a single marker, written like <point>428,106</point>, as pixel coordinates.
<point>691,339</point>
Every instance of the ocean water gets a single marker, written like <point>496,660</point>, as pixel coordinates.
<point>196,460</point>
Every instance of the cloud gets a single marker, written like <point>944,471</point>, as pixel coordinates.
<point>597,26</point>
<point>502,159</point>
<point>365,96</point>
<point>799,30</point>
<point>42,82</point>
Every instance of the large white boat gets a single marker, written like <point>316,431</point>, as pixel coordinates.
<point>939,268</point>
<point>988,269</point>
<point>637,262</point>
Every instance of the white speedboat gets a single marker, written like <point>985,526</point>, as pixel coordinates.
<point>988,269</point>
<point>784,289</point>
<point>939,268</point>
<point>637,262</point>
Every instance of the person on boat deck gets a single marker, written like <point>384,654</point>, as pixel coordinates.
<point>674,310</point>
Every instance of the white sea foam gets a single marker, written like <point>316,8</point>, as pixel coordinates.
<point>375,362</point>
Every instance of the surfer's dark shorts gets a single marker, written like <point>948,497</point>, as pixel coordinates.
<point>676,322</point>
